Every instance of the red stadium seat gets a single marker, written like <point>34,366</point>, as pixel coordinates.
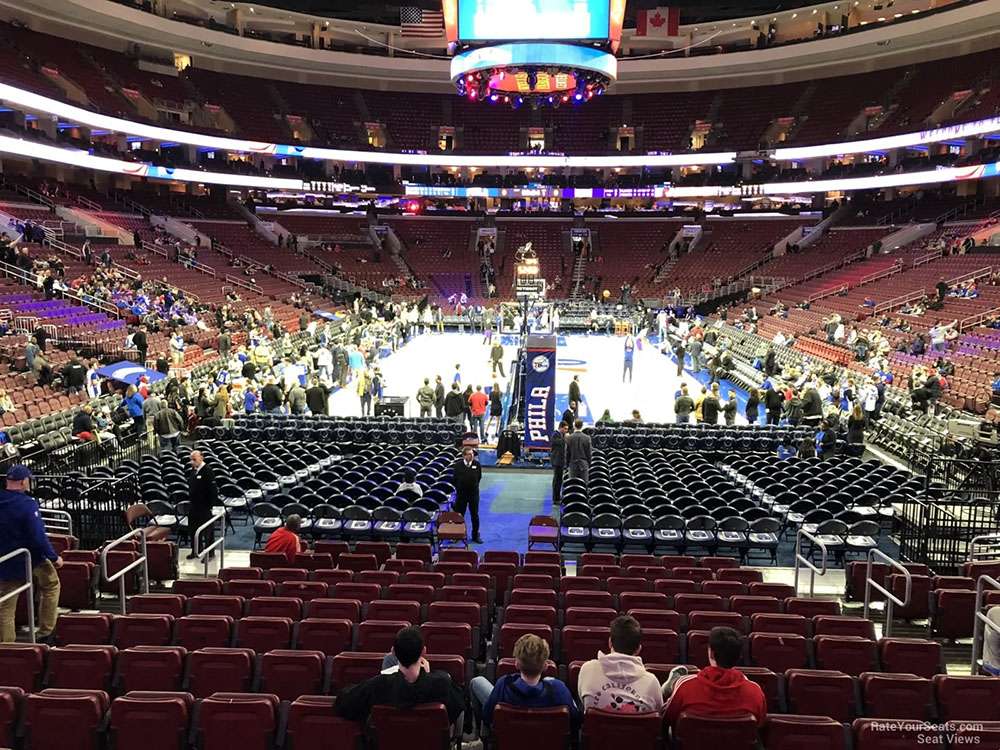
<point>808,607</point>
<point>81,667</point>
<point>225,606</point>
<point>211,670</point>
<point>246,721</point>
<point>152,720</point>
<point>897,696</point>
<point>531,727</point>
<point>335,609</point>
<point>142,630</point>
<point>967,698</point>
<point>203,631</point>
<point>65,719</point>
<point>77,589</point>
<point>422,726</point>
<point>603,730</point>
<point>332,577</point>
<point>11,702</point>
<point>845,653</point>
<point>579,598</point>
<point>772,623</point>
<point>525,613</point>
<point>709,620</point>
<point>83,629</point>
<point>312,724</point>
<point>189,587</point>
<point>384,609</point>
<point>703,733</point>
<point>779,651</point>
<point>597,617</point>
<point>290,674</point>
<point>851,626</point>
<point>448,638</point>
<point>878,734</point>
<point>150,668</point>
<point>267,560</point>
<point>796,732</point>
<point>275,606</point>
<point>158,604</point>
<point>913,655</point>
<point>665,619</point>
<point>248,588</point>
<point>752,605</point>
<point>262,634</point>
<point>582,643</point>
<point>330,636</point>
<point>822,692</point>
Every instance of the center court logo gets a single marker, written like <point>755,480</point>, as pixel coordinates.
<point>540,363</point>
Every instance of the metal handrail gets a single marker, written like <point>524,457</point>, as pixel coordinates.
<point>991,541</point>
<point>57,521</point>
<point>890,598</point>
<point>120,575</point>
<point>813,570</point>
<point>981,622</point>
<point>220,542</point>
<point>28,586</point>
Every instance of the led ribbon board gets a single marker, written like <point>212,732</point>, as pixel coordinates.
<point>70,113</point>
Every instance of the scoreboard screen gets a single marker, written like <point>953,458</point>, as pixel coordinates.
<point>530,20</point>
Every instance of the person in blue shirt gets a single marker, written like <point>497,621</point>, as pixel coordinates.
<point>21,526</point>
<point>525,688</point>
<point>786,449</point>
<point>132,401</point>
<point>250,400</point>
<point>826,440</point>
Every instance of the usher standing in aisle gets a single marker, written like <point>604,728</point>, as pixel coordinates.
<point>467,475</point>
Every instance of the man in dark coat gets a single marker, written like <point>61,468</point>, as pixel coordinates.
<point>141,344</point>
<point>467,474</point>
<point>812,406</point>
<point>317,398</point>
<point>557,455</point>
<point>574,390</point>
<point>438,397</point>
<point>578,452</point>
<point>202,494</point>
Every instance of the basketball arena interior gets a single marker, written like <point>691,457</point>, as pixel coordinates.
<point>503,334</point>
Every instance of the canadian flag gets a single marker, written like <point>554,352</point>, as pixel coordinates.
<point>658,22</point>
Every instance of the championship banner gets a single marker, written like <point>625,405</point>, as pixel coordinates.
<point>539,392</point>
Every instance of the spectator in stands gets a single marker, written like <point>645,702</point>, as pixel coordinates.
<point>140,342</point>
<point>825,440</point>
<point>683,406</point>
<point>132,402</point>
<point>578,452</point>
<point>729,408</point>
<point>6,402</point>
<point>629,349</point>
<point>74,376</point>
<point>271,397</point>
<point>285,540</point>
<point>636,418</point>
<point>412,684</point>
<point>856,424</point>
<point>525,688</point>
<point>296,399</point>
<point>22,527</point>
<point>409,483</point>
<point>720,689</point>
<point>679,352</point>
<point>168,424</point>
<point>812,405</point>
<point>605,417</point>
<point>794,409</point>
<point>618,681</point>
<point>942,289</point>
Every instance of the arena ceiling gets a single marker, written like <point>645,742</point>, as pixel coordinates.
<point>691,12</point>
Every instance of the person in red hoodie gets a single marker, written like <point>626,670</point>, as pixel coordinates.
<point>719,689</point>
<point>477,406</point>
<point>286,540</point>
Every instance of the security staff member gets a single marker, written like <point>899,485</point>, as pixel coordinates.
<point>203,495</point>
<point>467,474</point>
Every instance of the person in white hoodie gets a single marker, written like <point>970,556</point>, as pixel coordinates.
<point>618,681</point>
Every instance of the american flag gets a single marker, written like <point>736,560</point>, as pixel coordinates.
<point>419,22</point>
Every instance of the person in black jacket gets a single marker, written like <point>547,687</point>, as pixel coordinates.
<point>812,406</point>
<point>438,397</point>
<point>557,455</point>
<point>467,474</point>
<point>773,399</point>
<point>413,684</point>
<point>710,406</point>
<point>317,398</point>
<point>202,494</point>
<point>574,390</point>
<point>454,405</point>
<point>141,344</point>
<point>271,397</point>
